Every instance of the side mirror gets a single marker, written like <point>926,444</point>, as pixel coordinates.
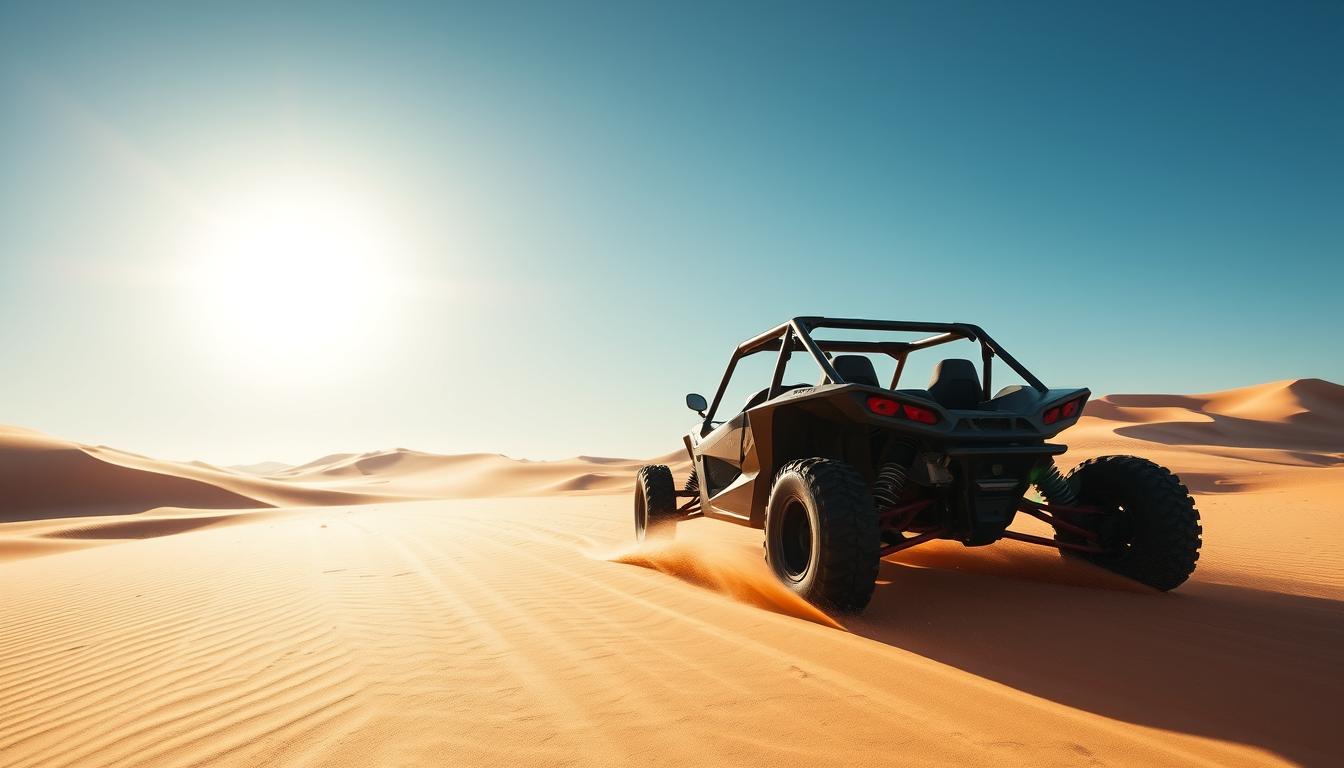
<point>696,403</point>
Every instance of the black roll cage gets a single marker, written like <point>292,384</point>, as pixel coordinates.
<point>796,335</point>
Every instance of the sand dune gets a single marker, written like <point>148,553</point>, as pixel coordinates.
<point>1305,415</point>
<point>44,476</point>
<point>161,613</point>
<point>262,468</point>
<point>474,475</point>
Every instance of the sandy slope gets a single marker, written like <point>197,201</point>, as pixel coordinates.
<point>43,476</point>
<point>473,475</point>
<point>523,631</point>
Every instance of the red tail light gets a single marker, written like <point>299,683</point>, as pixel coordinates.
<point>885,406</point>
<point>922,415</point>
<point>1066,411</point>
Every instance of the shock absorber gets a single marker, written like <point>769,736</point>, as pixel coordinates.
<point>897,453</point>
<point>887,488</point>
<point>1053,487</point>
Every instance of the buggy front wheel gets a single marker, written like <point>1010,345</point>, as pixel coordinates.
<point>655,503</point>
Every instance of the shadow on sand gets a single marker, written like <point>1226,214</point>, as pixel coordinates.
<point>1241,665</point>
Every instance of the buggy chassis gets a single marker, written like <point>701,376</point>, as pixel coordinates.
<point>922,464</point>
<point>796,336</point>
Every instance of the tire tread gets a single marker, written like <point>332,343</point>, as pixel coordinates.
<point>1171,530</point>
<point>660,498</point>
<point>850,550</point>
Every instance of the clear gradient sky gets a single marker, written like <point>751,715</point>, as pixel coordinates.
<point>565,214</point>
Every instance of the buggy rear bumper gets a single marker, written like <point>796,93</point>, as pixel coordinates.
<point>990,449</point>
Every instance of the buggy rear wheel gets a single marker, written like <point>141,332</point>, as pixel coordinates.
<point>821,533</point>
<point>1149,525</point>
<point>655,503</point>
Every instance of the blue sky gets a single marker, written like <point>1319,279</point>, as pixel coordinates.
<point>583,207</point>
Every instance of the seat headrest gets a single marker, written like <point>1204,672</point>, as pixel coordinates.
<point>855,369</point>
<point>954,369</point>
<point>955,384</point>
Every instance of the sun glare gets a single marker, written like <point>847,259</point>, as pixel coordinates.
<point>289,273</point>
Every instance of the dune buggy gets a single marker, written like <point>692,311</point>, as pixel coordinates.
<point>844,472</point>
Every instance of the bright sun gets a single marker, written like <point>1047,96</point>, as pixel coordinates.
<point>288,274</point>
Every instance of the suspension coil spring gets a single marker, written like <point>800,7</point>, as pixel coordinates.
<point>888,486</point>
<point>1054,488</point>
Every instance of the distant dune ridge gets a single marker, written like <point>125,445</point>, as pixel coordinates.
<point>1283,423</point>
<point>378,608</point>
<point>260,468</point>
<point>43,476</point>
<point>1305,415</point>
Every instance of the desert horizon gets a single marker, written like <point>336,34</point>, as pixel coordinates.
<point>397,607</point>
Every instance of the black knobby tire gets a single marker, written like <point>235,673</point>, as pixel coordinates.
<point>821,533</point>
<point>1150,525</point>
<point>655,503</point>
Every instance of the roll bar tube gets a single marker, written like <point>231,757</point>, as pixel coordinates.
<point>796,334</point>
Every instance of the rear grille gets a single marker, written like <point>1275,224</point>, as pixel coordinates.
<point>988,424</point>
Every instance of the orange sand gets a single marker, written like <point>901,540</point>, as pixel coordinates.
<point>346,613</point>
